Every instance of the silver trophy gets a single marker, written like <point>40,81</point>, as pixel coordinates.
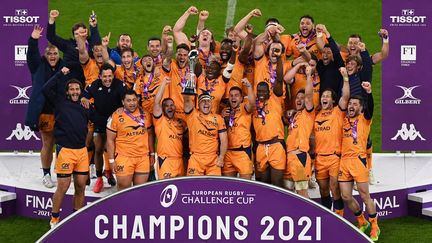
<point>189,88</point>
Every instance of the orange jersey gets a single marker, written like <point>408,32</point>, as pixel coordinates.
<point>147,86</point>
<point>91,71</point>
<point>169,134</point>
<point>128,76</point>
<point>132,137</point>
<point>239,128</point>
<point>286,40</point>
<point>310,43</point>
<point>328,131</point>
<point>204,56</point>
<point>355,136</point>
<point>216,88</point>
<point>267,120</point>
<point>204,132</point>
<point>262,73</point>
<point>300,81</point>
<point>239,72</point>
<point>299,130</point>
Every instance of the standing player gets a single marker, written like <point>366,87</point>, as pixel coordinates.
<point>353,165</point>
<point>70,132</point>
<point>328,141</point>
<point>208,140</point>
<point>169,133</point>
<point>40,114</point>
<point>130,143</point>
<point>300,126</point>
<point>154,49</point>
<point>129,72</point>
<point>306,36</point>
<point>124,41</point>
<point>238,120</point>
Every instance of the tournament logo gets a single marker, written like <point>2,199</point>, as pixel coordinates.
<point>168,196</point>
<point>408,55</point>
<point>407,98</point>
<point>22,98</point>
<point>408,134</point>
<point>22,134</point>
<point>408,18</point>
<point>20,55</point>
<point>21,17</point>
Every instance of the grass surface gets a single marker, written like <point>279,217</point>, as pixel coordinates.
<point>406,229</point>
<point>143,19</point>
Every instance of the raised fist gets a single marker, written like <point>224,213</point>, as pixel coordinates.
<point>65,70</point>
<point>383,33</point>
<point>343,72</point>
<point>203,15</point>
<point>308,70</point>
<point>301,47</point>
<point>54,14</point>
<point>367,86</point>
<point>93,19</point>
<point>192,10</point>
<point>166,30</point>
<point>255,13</point>
<point>246,82</point>
<point>361,46</point>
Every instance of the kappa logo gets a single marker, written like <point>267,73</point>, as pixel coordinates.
<point>168,196</point>
<point>21,17</point>
<point>407,98</point>
<point>320,123</point>
<point>408,18</point>
<point>408,134</point>
<point>22,98</point>
<point>19,133</point>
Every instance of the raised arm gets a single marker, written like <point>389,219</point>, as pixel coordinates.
<point>51,32</point>
<point>82,50</point>
<point>33,55</point>
<point>226,74</point>
<point>94,31</point>
<point>50,87</point>
<point>245,50</point>
<point>278,88</point>
<point>309,89</point>
<point>258,45</point>
<point>241,25</point>
<point>289,76</point>
<point>385,48</point>
<point>179,36</point>
<point>105,43</point>
<point>343,100</point>
<point>165,34</point>
<point>203,15</point>
<point>250,106</point>
<point>369,102</point>
<point>157,106</point>
<point>366,71</point>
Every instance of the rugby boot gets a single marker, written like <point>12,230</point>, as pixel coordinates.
<point>98,186</point>
<point>110,177</point>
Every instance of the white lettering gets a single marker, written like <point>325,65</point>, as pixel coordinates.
<point>290,228</point>
<point>138,229</point>
<point>120,226</point>
<point>158,222</point>
<point>176,224</point>
<point>208,221</point>
<point>98,233</point>
<point>242,232</point>
<point>223,227</point>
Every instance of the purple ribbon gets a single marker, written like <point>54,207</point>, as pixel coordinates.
<point>261,111</point>
<point>354,131</point>
<point>212,84</point>
<point>272,74</point>
<point>146,86</point>
<point>311,36</point>
<point>206,58</point>
<point>140,121</point>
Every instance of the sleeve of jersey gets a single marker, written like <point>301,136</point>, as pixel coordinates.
<point>112,122</point>
<point>221,124</point>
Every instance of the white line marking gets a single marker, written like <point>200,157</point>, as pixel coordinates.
<point>231,7</point>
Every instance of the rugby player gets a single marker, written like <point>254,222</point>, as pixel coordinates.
<point>124,41</point>
<point>129,72</point>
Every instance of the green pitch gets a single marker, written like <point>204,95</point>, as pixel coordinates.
<point>143,19</point>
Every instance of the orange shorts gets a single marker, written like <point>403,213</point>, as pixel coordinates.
<point>170,167</point>
<point>270,154</point>
<point>70,161</point>
<point>132,165</point>
<point>46,122</point>
<point>299,167</point>
<point>238,161</point>
<point>203,164</point>
<point>326,166</point>
<point>353,169</point>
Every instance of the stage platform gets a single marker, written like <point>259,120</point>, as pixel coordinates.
<point>396,175</point>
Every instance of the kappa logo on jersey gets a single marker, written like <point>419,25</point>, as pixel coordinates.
<point>168,196</point>
<point>321,122</point>
<point>408,55</point>
<point>21,17</point>
<point>408,18</point>
<point>22,98</point>
<point>19,133</point>
<point>407,98</point>
<point>408,134</point>
<point>20,52</point>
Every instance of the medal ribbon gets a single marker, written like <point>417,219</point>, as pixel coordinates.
<point>146,86</point>
<point>261,111</point>
<point>140,121</point>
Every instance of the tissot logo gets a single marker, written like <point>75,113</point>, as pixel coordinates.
<point>407,98</point>
<point>408,134</point>
<point>21,17</point>
<point>408,17</point>
<point>21,98</point>
<point>168,196</point>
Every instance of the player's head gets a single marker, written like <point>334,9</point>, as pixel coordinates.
<point>230,34</point>
<point>205,103</point>
<point>306,25</point>
<point>205,39</point>
<point>263,91</point>
<point>328,99</point>
<point>275,50</point>
<point>127,57</point>
<point>130,100</point>
<point>271,22</point>
<point>213,70</point>
<point>313,62</point>
<point>52,55</point>
<point>106,74</point>
<point>154,46</point>
<point>355,106</point>
<point>98,53</point>
<point>235,97</point>
<point>124,41</point>
<point>300,100</point>
<point>73,89</point>
<point>147,63</point>
<point>79,29</point>
<point>353,64</point>
<point>352,45</point>
<point>225,51</point>
<point>182,52</point>
<point>168,108</point>
<point>327,54</point>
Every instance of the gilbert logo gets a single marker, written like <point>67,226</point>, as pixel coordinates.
<point>22,97</point>
<point>408,134</point>
<point>19,133</point>
<point>408,18</point>
<point>168,196</point>
<point>21,17</point>
<point>407,98</point>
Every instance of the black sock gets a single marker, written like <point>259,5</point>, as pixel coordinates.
<point>371,216</point>
<point>55,215</point>
<point>74,210</point>
<point>326,202</point>
<point>99,173</point>
<point>46,171</point>
<point>358,213</point>
<point>338,204</point>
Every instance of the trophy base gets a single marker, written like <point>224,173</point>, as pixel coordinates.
<point>189,92</point>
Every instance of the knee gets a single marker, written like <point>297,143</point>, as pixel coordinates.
<point>346,197</point>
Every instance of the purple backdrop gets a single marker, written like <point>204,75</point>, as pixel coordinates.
<point>18,19</point>
<point>204,208</point>
<point>406,76</point>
